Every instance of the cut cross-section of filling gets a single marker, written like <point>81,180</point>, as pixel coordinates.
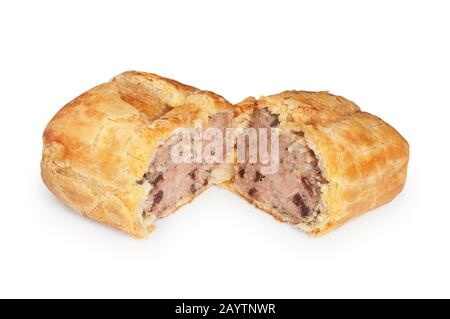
<point>174,184</point>
<point>294,190</point>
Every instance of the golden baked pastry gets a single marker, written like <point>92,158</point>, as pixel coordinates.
<point>336,161</point>
<point>106,153</point>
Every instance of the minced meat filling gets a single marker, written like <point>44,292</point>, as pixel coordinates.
<point>294,190</point>
<point>177,183</point>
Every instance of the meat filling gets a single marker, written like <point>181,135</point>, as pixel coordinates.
<point>293,191</point>
<point>174,184</point>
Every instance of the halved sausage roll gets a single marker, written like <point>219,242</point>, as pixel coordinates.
<point>335,161</point>
<point>107,153</point>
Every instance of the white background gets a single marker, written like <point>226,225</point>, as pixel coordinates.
<point>390,57</point>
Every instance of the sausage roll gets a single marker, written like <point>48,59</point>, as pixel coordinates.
<point>107,153</point>
<point>335,161</point>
